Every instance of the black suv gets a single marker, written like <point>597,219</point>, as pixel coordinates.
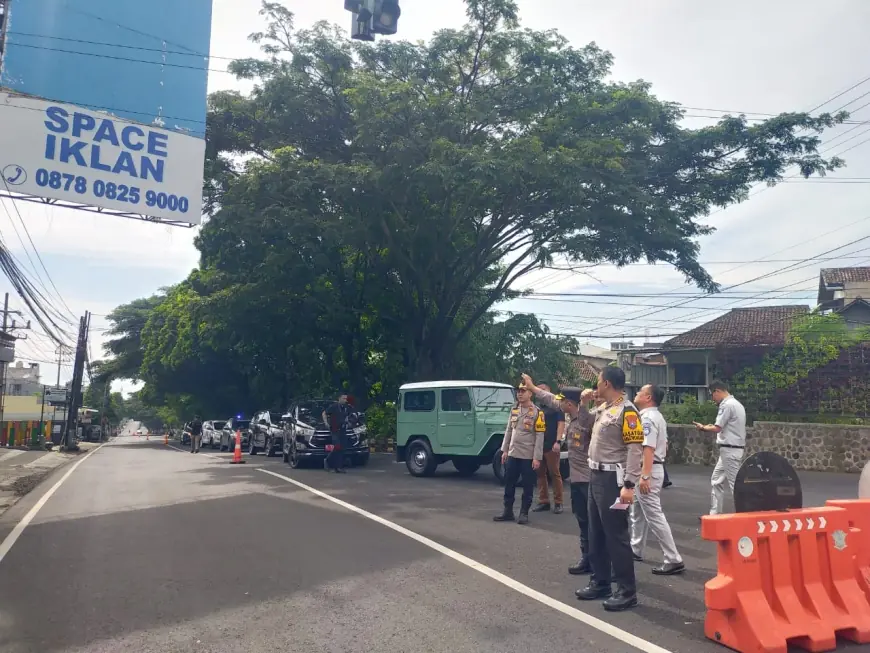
<point>267,433</point>
<point>307,435</point>
<point>228,433</point>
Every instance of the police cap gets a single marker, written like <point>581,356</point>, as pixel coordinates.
<point>571,394</point>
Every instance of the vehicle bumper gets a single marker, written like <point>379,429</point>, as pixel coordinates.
<point>312,453</point>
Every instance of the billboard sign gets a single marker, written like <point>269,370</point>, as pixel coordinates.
<point>64,152</point>
<point>111,96</point>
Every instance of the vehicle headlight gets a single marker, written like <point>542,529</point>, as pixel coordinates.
<point>305,432</point>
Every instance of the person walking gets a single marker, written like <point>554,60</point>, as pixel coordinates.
<point>554,436</point>
<point>522,450</point>
<point>615,460</point>
<point>646,512</point>
<point>578,429</point>
<point>730,430</point>
<point>336,418</point>
<point>195,434</point>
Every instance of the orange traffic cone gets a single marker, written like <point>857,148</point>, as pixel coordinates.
<point>237,454</point>
<point>165,438</point>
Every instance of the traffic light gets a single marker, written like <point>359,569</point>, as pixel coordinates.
<point>386,17</point>
<point>361,29</point>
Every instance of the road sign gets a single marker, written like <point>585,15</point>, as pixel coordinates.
<point>864,483</point>
<point>56,396</point>
<point>767,481</point>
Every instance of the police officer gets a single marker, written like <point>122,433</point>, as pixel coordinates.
<point>522,451</point>
<point>578,427</point>
<point>615,460</point>
<point>646,513</point>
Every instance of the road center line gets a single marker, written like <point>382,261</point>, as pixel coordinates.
<point>564,608</point>
<point>209,455</point>
<point>12,538</point>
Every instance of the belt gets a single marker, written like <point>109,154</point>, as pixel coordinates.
<point>658,462</point>
<point>732,446</point>
<point>604,467</point>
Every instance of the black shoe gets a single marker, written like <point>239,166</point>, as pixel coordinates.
<point>668,484</point>
<point>341,470</point>
<point>669,569</point>
<point>594,591</point>
<point>620,602</point>
<point>541,507</point>
<point>637,558</point>
<point>558,509</point>
<point>505,516</point>
<point>524,517</point>
<point>581,568</point>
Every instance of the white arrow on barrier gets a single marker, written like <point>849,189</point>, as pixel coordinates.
<point>774,527</point>
<point>786,525</point>
<point>761,527</point>
<point>810,523</point>
<point>798,524</point>
<point>822,522</point>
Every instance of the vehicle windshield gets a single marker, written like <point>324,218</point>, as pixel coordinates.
<point>493,396</point>
<point>276,417</point>
<point>311,412</point>
<point>241,423</point>
<point>218,425</point>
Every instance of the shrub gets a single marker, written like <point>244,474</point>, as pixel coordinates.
<point>690,411</point>
<point>381,423</point>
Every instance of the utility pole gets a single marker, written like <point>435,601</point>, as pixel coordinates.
<point>74,401</point>
<point>4,364</point>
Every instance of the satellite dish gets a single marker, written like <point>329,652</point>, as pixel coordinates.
<point>767,481</point>
<point>864,483</point>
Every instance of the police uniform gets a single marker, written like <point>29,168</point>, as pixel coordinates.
<point>615,453</point>
<point>646,513</point>
<point>578,429</point>
<point>523,442</point>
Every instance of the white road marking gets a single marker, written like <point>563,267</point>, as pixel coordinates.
<point>207,455</point>
<point>579,615</point>
<point>11,454</point>
<point>10,540</point>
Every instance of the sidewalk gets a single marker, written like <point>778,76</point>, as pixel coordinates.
<point>22,470</point>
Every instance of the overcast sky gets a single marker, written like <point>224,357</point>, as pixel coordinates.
<point>739,56</point>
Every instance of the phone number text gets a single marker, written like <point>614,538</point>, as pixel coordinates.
<point>110,190</point>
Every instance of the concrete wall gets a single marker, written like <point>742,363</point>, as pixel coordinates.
<point>817,447</point>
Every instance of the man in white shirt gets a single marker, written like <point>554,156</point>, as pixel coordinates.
<point>646,512</point>
<point>730,430</point>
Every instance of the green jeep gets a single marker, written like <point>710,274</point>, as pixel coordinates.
<point>459,421</point>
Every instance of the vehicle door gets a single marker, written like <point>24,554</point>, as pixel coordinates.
<point>207,433</point>
<point>417,416</point>
<point>259,427</point>
<point>455,418</point>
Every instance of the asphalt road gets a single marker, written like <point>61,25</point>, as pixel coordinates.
<point>147,548</point>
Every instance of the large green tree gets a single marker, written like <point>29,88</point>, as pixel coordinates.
<point>490,147</point>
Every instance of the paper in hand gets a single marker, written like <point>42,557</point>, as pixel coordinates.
<point>618,505</point>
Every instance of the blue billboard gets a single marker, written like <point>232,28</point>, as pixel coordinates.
<point>144,61</point>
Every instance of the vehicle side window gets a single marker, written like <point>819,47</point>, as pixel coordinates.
<point>419,401</point>
<point>455,400</point>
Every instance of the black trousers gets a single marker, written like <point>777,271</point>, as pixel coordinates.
<point>667,480</point>
<point>609,536</point>
<point>335,458</point>
<point>580,508</point>
<point>518,470</point>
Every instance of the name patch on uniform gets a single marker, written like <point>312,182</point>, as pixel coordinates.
<point>540,425</point>
<point>632,431</point>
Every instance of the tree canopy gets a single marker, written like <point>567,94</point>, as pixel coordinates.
<point>370,205</point>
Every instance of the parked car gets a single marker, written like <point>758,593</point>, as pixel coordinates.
<point>211,433</point>
<point>228,433</point>
<point>267,433</point>
<point>462,422</point>
<point>307,435</point>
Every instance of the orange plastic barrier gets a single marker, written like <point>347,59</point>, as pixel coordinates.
<point>858,511</point>
<point>785,578</point>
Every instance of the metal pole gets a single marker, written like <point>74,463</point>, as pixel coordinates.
<point>3,365</point>
<point>35,442</point>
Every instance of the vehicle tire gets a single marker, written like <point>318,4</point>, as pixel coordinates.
<point>285,457</point>
<point>420,460</point>
<point>362,460</point>
<point>466,466</point>
<point>497,467</point>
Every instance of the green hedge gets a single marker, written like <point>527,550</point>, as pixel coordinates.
<point>381,424</point>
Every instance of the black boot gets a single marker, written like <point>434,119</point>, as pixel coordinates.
<point>541,507</point>
<point>621,600</point>
<point>524,513</point>
<point>506,515</point>
<point>593,591</point>
<point>581,568</point>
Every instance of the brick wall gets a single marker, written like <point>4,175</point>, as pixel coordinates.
<point>817,447</point>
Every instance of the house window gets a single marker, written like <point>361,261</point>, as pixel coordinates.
<point>690,374</point>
